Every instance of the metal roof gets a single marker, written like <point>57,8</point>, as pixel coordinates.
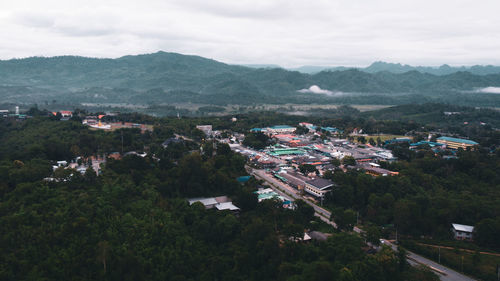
<point>462,227</point>
<point>204,201</point>
<point>226,206</point>
<point>457,140</point>
<point>320,183</point>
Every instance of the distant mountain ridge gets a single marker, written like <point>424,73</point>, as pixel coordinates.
<point>380,66</point>
<point>165,78</point>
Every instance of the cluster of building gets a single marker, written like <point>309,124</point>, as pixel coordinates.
<point>315,148</point>
<point>5,113</point>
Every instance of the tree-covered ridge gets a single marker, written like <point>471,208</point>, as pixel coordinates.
<point>133,221</point>
<point>169,77</point>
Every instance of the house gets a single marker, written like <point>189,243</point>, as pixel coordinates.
<point>66,114</point>
<point>318,186</point>
<point>456,143</point>
<point>462,232</point>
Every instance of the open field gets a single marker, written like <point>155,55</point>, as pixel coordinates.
<point>382,137</point>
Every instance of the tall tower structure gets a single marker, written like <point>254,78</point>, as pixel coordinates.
<point>17,110</point>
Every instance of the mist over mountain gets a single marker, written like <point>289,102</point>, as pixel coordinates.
<point>164,78</point>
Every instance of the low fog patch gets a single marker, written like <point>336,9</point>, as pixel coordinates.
<point>488,90</point>
<point>315,89</point>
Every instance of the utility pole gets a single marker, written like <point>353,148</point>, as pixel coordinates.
<point>396,236</point>
<point>122,140</point>
<point>439,258</point>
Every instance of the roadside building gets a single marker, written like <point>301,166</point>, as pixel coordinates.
<point>295,180</point>
<point>456,143</point>
<point>318,187</point>
<point>462,232</point>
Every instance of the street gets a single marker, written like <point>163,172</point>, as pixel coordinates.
<point>283,189</point>
<point>286,190</point>
<point>443,272</point>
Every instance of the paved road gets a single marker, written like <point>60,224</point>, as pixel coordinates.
<point>288,191</point>
<point>449,274</point>
<point>414,259</point>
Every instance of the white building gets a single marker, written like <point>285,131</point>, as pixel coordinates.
<point>462,232</point>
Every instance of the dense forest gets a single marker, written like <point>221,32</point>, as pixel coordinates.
<point>162,78</point>
<point>428,195</point>
<point>133,222</point>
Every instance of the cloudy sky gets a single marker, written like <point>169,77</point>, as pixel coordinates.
<point>285,32</point>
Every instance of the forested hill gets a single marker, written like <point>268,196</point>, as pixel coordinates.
<point>379,66</point>
<point>168,77</point>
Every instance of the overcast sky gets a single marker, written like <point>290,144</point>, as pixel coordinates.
<point>285,32</point>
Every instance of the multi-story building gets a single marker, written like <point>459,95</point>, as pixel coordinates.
<point>318,187</point>
<point>456,143</point>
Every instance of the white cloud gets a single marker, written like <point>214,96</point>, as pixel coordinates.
<point>315,90</point>
<point>489,90</point>
<point>287,33</point>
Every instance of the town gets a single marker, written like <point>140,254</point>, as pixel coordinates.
<point>294,165</point>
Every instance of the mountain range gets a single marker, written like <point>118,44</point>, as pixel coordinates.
<point>166,78</point>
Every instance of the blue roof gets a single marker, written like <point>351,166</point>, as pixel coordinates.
<point>243,178</point>
<point>257,129</point>
<point>457,140</point>
<point>330,129</point>
<point>430,143</point>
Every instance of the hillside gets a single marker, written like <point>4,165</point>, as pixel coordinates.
<point>163,78</point>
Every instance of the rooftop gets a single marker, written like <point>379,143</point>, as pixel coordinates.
<point>282,127</point>
<point>204,201</point>
<point>226,206</point>
<point>457,140</point>
<point>462,227</point>
<point>320,183</point>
